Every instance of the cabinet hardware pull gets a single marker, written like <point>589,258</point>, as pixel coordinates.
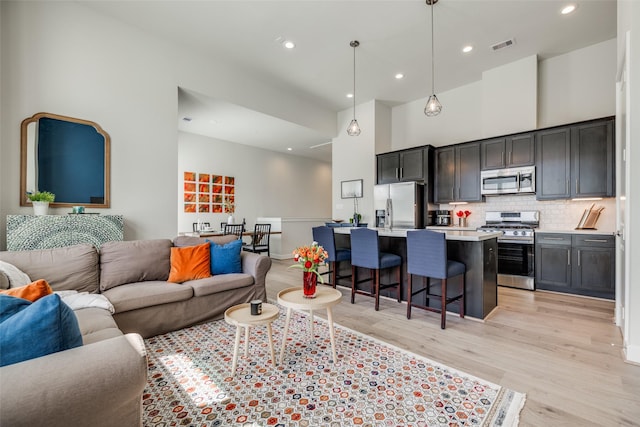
<point>577,186</point>
<point>596,240</point>
<point>502,158</point>
<point>510,157</point>
<point>566,187</point>
<point>452,193</point>
<point>401,173</point>
<point>397,177</point>
<point>553,238</point>
<point>568,256</point>
<point>578,257</point>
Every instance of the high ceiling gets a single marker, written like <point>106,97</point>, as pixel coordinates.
<point>395,37</point>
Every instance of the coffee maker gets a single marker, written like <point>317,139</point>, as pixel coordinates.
<point>443,217</point>
<point>380,216</point>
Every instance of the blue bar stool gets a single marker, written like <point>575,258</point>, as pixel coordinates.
<point>325,238</point>
<point>365,253</point>
<point>427,257</point>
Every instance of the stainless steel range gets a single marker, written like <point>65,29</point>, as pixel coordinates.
<point>516,254</point>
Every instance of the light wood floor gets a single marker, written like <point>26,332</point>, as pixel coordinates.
<point>563,351</point>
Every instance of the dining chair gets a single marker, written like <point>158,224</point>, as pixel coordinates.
<point>236,229</point>
<point>203,224</point>
<point>365,253</point>
<point>260,240</point>
<point>326,238</point>
<point>427,257</point>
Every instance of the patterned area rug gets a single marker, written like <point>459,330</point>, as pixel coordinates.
<point>373,383</point>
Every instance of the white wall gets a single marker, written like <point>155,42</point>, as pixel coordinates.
<point>509,97</point>
<point>268,184</point>
<point>62,57</point>
<point>578,86</point>
<point>629,20</point>
<point>354,158</point>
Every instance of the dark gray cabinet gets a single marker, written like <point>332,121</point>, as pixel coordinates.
<point>507,152</point>
<point>407,165</point>
<point>592,160</point>
<point>581,264</point>
<point>576,161</point>
<point>457,170</point>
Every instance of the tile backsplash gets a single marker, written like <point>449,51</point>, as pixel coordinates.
<point>561,215</point>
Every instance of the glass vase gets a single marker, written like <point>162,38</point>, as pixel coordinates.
<point>310,281</point>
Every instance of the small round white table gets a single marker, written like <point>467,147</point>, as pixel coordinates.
<point>292,298</point>
<point>240,316</point>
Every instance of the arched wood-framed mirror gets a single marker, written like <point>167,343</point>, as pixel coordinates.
<point>67,156</point>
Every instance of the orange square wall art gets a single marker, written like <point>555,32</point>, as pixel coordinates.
<point>208,193</point>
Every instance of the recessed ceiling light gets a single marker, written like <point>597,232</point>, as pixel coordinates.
<point>289,149</point>
<point>399,76</point>
<point>568,9</point>
<point>467,49</point>
<point>289,44</point>
<point>349,95</point>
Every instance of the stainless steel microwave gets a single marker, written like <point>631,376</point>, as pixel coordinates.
<point>508,181</point>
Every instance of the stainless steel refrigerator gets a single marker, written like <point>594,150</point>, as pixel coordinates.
<point>403,203</point>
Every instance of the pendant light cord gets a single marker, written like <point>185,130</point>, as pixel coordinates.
<point>354,44</point>
<point>433,91</point>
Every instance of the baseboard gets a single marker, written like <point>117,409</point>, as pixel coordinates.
<point>632,354</point>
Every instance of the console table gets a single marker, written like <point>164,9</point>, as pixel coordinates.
<point>28,232</point>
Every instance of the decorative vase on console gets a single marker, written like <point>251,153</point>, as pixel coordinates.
<point>231,220</point>
<point>40,201</point>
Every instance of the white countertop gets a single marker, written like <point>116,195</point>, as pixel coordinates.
<point>603,232</point>
<point>462,235</point>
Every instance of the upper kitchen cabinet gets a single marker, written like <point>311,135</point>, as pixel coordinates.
<point>592,160</point>
<point>553,171</point>
<point>457,171</point>
<point>406,165</point>
<point>576,161</point>
<point>510,151</point>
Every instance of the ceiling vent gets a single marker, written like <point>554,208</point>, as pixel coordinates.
<point>504,44</point>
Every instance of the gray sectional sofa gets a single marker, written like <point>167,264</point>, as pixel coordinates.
<point>101,382</point>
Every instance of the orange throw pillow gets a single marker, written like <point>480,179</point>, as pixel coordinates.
<point>31,292</point>
<point>190,263</point>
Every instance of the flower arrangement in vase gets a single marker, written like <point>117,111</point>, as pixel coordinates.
<point>462,217</point>
<point>308,258</point>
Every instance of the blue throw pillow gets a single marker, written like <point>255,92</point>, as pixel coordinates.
<point>29,330</point>
<point>226,258</point>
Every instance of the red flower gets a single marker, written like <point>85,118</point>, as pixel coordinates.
<point>308,264</point>
<point>467,213</point>
<point>459,214</point>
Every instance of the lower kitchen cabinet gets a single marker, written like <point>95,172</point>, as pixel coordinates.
<point>581,264</point>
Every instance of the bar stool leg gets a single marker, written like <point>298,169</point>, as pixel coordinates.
<point>334,275</point>
<point>409,295</point>
<point>376,275</point>
<point>353,284</point>
<point>399,275</point>
<point>443,308</point>
<point>464,283</point>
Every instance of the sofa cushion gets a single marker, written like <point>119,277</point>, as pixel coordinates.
<point>220,283</point>
<point>96,324</point>
<point>67,268</point>
<point>31,292</point>
<point>134,261</point>
<point>226,258</point>
<point>29,330</point>
<point>144,294</point>
<point>189,263</point>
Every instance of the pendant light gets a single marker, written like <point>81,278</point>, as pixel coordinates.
<point>354,129</point>
<point>433,106</point>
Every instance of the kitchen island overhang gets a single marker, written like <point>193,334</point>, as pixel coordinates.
<point>477,250</point>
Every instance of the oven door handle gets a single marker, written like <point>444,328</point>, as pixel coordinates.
<point>519,241</point>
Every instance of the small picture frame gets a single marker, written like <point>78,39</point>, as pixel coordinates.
<point>351,189</point>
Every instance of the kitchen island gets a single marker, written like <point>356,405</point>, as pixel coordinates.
<point>477,250</point>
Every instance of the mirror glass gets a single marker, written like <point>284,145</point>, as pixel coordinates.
<point>67,156</point>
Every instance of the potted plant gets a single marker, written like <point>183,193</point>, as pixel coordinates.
<point>40,201</point>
